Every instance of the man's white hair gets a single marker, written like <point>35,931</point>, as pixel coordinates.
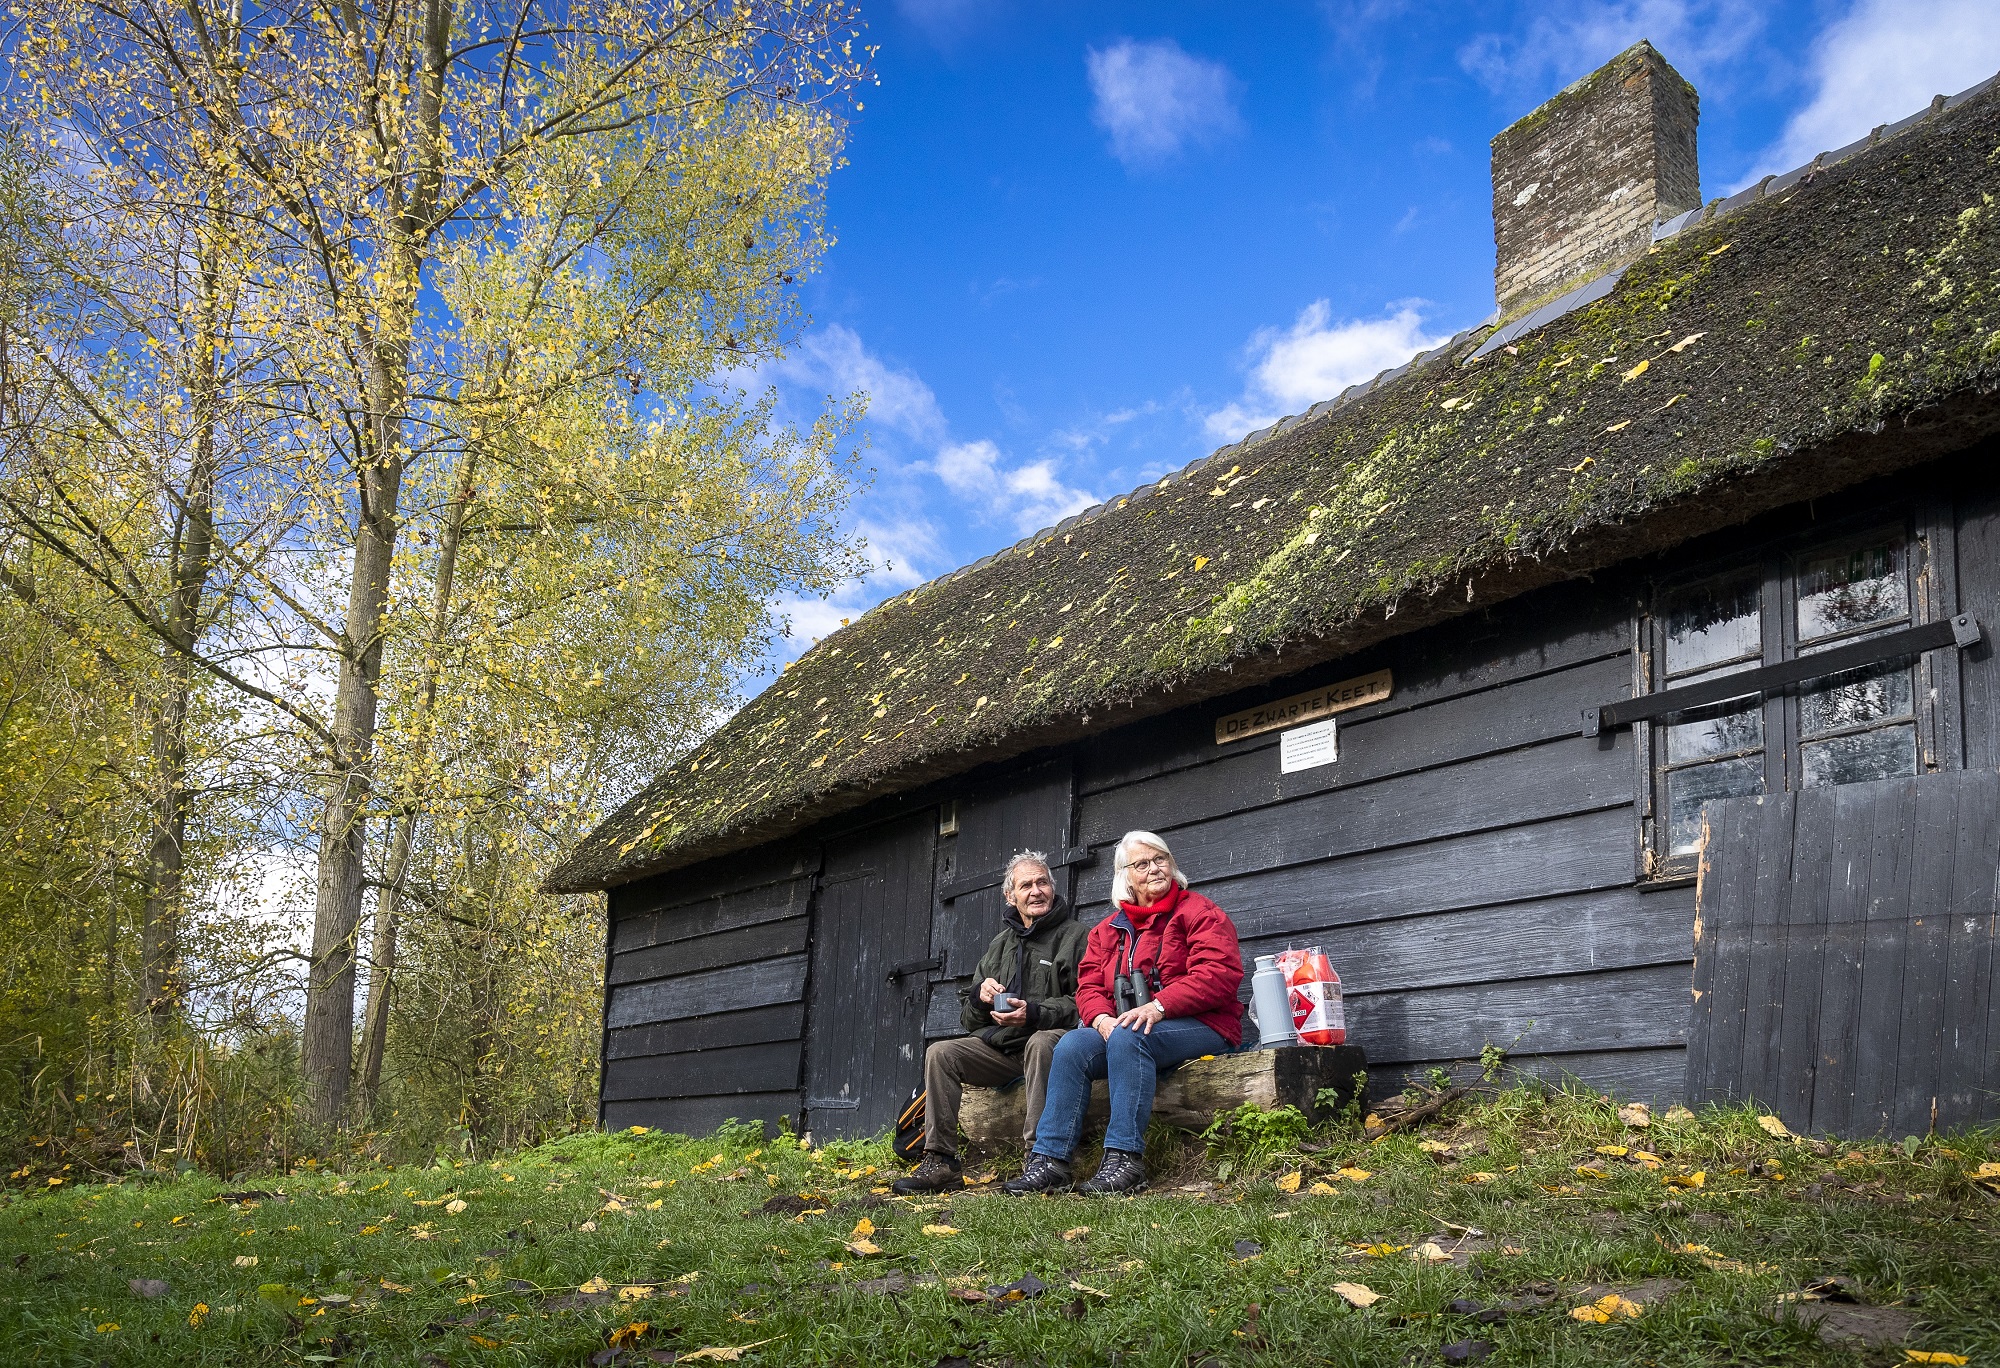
<point>1021,857</point>
<point>1121,882</point>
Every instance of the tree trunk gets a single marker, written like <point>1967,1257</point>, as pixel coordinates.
<point>389,906</point>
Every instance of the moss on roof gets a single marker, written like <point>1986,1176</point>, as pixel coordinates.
<point>1727,373</point>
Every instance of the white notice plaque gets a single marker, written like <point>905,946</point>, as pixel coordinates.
<point>1309,746</point>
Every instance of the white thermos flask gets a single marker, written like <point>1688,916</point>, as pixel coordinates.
<point>1272,997</point>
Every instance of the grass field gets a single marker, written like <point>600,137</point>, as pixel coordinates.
<point>632,1249</point>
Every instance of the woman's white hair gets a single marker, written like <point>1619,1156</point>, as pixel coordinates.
<point>1121,882</point>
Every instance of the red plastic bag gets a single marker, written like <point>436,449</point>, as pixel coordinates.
<point>1317,1012</point>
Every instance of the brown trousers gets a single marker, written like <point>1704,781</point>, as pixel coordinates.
<point>950,1064</point>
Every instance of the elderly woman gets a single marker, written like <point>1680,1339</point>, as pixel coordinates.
<point>1157,987</point>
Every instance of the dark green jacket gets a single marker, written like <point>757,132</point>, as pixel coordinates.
<point>1037,963</point>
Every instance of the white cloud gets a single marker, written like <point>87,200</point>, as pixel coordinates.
<point>1030,495</point>
<point>836,359</point>
<point>1316,358</point>
<point>1884,60</point>
<point>1153,99</point>
<point>1566,42</point>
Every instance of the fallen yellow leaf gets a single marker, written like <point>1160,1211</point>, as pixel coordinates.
<point>246,1260</point>
<point>1382,1251</point>
<point>1076,1286</point>
<point>1357,1294</point>
<point>455,1205</point>
<point>865,1248</point>
<point>1356,1175</point>
<point>484,1341</point>
<point>1687,342</point>
<point>1932,1356</point>
<point>1433,1147</point>
<point>1637,371</point>
<point>1323,1189</point>
<point>1480,1177</point>
<point>1699,1178</point>
<point>1076,1232</point>
<point>1604,1308</point>
<point>940,1230</point>
<point>1774,1127</point>
<point>1428,1252</point>
<point>720,1353</point>
<point>1615,1151</point>
<point>628,1336</point>
<point>595,1285</point>
<point>636,1292</point>
<point>863,1227</point>
<point>197,1315</point>
<point>1290,1182</point>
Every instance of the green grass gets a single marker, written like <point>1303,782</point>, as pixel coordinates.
<point>1913,1228</point>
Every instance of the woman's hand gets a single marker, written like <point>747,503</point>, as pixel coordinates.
<point>1140,1019</point>
<point>1105,1024</point>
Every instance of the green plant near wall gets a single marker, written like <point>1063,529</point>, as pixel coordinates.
<point>1251,1137</point>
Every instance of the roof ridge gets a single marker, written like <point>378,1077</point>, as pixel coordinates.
<point>1585,292</point>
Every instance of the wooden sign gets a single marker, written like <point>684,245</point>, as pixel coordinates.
<point>1305,707</point>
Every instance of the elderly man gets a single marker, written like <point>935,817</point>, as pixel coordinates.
<point>1033,961</point>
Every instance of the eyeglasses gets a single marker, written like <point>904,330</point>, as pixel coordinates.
<point>1151,862</point>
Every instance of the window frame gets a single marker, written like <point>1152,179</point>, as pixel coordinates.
<point>1778,562</point>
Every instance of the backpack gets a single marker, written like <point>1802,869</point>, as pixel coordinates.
<point>909,1141</point>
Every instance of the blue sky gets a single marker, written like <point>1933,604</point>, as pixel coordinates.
<point>1081,244</point>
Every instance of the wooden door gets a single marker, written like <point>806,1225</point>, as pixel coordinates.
<point>1845,973</point>
<point>870,973</point>
<point>1026,809</point>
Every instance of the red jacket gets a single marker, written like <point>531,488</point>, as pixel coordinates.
<point>1189,940</point>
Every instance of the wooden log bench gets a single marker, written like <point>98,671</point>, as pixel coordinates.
<point>1190,1096</point>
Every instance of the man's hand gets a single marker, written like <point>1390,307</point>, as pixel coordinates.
<point>989,988</point>
<point>1140,1019</point>
<point>1017,1017</point>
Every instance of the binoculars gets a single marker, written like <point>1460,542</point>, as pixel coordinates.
<point>1135,989</point>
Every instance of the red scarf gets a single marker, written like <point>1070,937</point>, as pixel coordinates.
<point>1142,914</point>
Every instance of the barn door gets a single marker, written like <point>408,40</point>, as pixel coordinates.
<point>1844,971</point>
<point>871,966</point>
<point>1025,810</point>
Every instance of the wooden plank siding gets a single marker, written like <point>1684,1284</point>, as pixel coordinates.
<point>1825,978</point>
<point>705,1000</point>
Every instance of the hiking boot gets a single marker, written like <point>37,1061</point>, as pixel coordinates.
<point>1043,1175</point>
<point>1120,1175</point>
<point>936,1173</point>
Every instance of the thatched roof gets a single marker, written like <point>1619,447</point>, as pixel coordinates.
<point>1759,356</point>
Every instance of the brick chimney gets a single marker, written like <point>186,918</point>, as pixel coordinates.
<point>1579,183</point>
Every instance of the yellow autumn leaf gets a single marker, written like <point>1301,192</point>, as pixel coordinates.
<point>1615,1151</point>
<point>1774,1127</point>
<point>635,1292</point>
<point>865,1248</point>
<point>1200,561</point>
<point>862,1228</point>
<point>246,1260</point>
<point>1932,1356</point>
<point>455,1205</point>
<point>595,1285</point>
<point>197,1315</point>
<point>720,1353</point>
<point>940,1230</point>
<point>628,1336</point>
<point>1428,1252</point>
<point>1433,1147</point>
<point>1480,1177</point>
<point>1290,1182</point>
<point>1323,1189</point>
<point>1620,427</point>
<point>1986,1173</point>
<point>1076,1232</point>
<point>1605,1308</point>
<point>1356,1175</point>
<point>656,1204</point>
<point>1382,1251</point>
<point>1637,371</point>
<point>107,1328</point>
<point>484,1341</point>
<point>1076,1286</point>
<point>1687,342</point>
<point>1699,1178</point>
<point>1357,1294</point>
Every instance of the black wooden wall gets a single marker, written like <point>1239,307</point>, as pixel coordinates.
<point>1471,863</point>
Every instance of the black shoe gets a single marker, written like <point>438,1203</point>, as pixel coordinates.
<point>936,1173</point>
<point>1120,1175</point>
<point>1044,1175</point>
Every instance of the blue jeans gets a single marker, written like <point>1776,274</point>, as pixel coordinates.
<point>1132,1060</point>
